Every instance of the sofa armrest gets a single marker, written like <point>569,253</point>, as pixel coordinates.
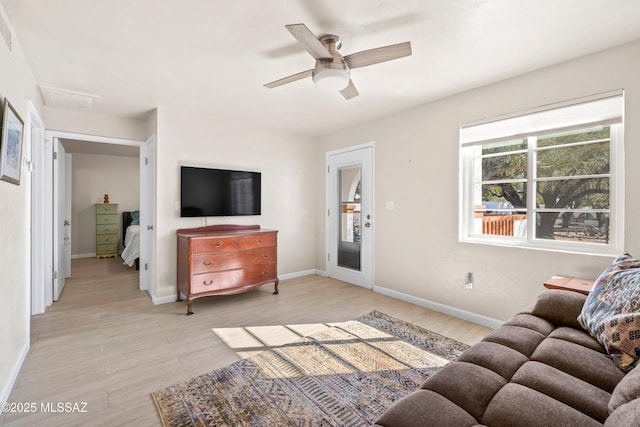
<point>559,307</point>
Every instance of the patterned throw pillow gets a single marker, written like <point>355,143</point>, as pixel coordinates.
<point>611,313</point>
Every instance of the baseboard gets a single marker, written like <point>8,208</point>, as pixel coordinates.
<point>164,300</point>
<point>8,386</point>
<point>302,273</point>
<point>442,308</point>
<point>77,256</point>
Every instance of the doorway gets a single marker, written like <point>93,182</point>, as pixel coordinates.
<point>147,237</point>
<point>350,236</point>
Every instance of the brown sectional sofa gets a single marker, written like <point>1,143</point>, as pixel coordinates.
<point>538,369</point>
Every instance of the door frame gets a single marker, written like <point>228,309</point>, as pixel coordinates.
<point>364,277</point>
<point>42,188</point>
<point>147,216</point>
<point>62,164</point>
<point>41,212</point>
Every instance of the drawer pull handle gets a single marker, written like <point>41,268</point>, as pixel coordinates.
<point>259,241</point>
<point>207,282</point>
<point>264,273</point>
<point>217,244</point>
<point>265,256</point>
<point>207,262</point>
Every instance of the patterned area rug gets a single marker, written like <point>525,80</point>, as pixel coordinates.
<point>346,375</point>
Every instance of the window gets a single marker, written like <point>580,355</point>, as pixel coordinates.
<point>547,179</point>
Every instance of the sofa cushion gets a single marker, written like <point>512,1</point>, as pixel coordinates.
<point>425,408</point>
<point>612,311</point>
<point>502,360</point>
<point>518,406</point>
<point>627,415</point>
<point>577,336</point>
<point>518,338</point>
<point>560,307</point>
<point>628,389</point>
<point>564,388</point>
<point>529,321</point>
<point>581,362</point>
<point>469,386</point>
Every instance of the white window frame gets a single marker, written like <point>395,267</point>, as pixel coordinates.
<point>602,109</point>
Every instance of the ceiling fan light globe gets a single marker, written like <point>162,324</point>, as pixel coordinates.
<point>331,79</point>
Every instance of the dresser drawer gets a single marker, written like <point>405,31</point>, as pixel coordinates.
<point>107,249</point>
<point>107,209</point>
<point>258,240</point>
<point>214,245</point>
<point>229,279</point>
<point>107,219</point>
<point>204,263</point>
<point>107,229</point>
<point>105,239</point>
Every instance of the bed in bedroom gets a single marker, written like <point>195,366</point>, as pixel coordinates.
<point>131,238</point>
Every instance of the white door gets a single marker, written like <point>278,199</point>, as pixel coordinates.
<point>41,215</point>
<point>147,218</point>
<point>350,237</point>
<point>61,219</point>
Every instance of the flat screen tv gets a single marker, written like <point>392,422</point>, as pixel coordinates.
<point>219,192</point>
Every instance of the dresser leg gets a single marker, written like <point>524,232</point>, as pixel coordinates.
<point>276,291</point>
<point>189,311</point>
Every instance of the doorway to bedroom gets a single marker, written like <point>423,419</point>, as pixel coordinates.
<point>110,180</point>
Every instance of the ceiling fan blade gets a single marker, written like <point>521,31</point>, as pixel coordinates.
<point>377,55</point>
<point>310,42</point>
<point>350,91</point>
<point>289,79</point>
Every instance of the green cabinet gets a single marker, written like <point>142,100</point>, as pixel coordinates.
<point>106,230</point>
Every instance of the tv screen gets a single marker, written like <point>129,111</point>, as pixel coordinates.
<point>219,192</point>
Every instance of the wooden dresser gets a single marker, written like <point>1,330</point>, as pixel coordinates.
<point>106,230</point>
<point>225,259</point>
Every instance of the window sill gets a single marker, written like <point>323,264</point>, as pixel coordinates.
<point>604,251</point>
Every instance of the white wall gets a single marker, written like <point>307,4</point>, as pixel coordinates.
<point>18,84</point>
<point>288,185</point>
<point>416,165</point>
<point>95,124</point>
<point>93,176</point>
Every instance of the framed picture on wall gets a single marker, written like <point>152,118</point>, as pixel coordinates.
<point>11,144</point>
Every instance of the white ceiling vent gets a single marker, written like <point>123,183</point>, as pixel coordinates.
<point>62,98</point>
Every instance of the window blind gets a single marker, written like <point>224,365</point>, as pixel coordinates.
<point>602,109</point>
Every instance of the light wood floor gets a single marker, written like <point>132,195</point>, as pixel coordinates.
<point>106,344</point>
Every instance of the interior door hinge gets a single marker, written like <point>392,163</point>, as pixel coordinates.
<point>328,169</point>
<point>146,160</point>
<point>329,256</point>
<point>146,266</point>
<point>55,155</point>
<point>55,275</point>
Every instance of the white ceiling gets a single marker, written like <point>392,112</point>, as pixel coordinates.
<point>212,57</point>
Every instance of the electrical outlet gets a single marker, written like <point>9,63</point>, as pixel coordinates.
<point>468,281</point>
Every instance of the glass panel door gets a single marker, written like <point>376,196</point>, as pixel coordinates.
<point>350,227</point>
<point>350,231</point>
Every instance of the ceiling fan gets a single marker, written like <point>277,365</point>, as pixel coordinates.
<point>332,70</point>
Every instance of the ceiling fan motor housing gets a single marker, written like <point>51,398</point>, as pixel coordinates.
<point>333,74</point>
